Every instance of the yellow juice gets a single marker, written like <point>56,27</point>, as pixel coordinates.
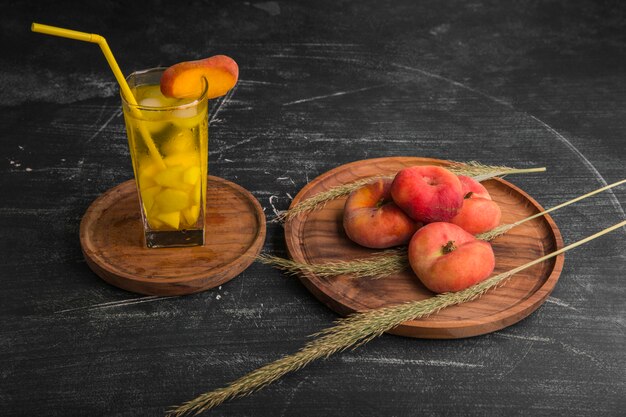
<point>172,189</point>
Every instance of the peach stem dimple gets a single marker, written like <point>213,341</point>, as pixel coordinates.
<point>448,247</point>
<point>381,203</point>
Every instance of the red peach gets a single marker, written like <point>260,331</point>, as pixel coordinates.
<point>447,258</point>
<point>470,185</point>
<point>372,220</point>
<point>427,193</point>
<point>478,215</point>
<point>185,79</point>
<point>479,212</point>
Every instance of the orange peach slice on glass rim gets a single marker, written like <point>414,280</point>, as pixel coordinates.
<point>373,220</point>
<point>184,80</point>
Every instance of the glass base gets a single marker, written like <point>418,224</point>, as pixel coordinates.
<point>173,239</point>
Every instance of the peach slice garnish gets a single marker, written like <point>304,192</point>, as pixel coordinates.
<point>184,80</point>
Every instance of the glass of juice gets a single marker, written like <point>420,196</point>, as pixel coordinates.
<point>168,141</point>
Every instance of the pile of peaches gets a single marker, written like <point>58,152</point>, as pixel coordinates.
<point>438,214</point>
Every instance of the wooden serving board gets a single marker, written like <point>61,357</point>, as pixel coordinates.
<point>112,240</point>
<point>318,237</point>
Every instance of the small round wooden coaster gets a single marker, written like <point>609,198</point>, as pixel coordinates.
<point>111,237</point>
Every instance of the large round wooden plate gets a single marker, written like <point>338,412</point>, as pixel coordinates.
<point>111,237</point>
<point>318,237</point>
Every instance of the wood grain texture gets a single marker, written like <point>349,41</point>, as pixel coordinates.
<point>322,84</point>
<point>111,237</point>
<point>318,237</point>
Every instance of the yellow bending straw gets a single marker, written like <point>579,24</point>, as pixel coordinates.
<point>104,46</point>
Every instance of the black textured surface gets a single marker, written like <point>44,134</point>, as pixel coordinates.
<point>322,83</point>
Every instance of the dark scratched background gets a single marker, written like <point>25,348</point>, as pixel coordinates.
<point>526,83</point>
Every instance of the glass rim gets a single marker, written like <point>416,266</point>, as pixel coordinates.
<point>193,103</point>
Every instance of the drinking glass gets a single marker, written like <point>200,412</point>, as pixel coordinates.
<point>168,141</point>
